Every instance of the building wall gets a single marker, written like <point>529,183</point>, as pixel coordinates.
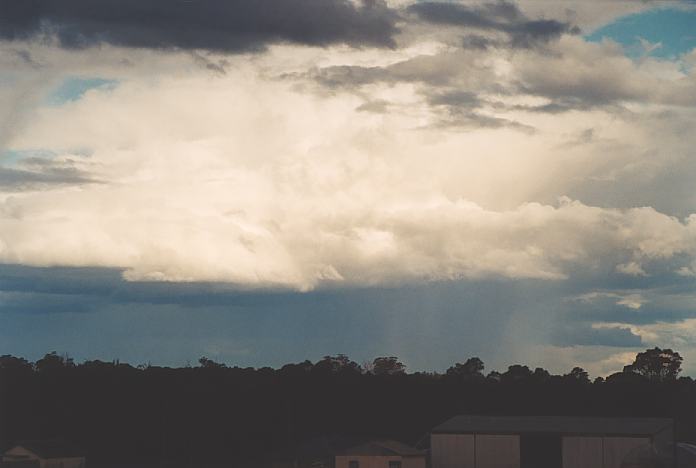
<point>497,451</point>
<point>583,452</point>
<point>342,461</point>
<point>503,451</point>
<point>452,450</point>
<point>616,448</point>
<point>474,451</point>
<point>414,462</point>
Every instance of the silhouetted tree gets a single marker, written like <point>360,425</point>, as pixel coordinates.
<point>337,364</point>
<point>54,362</point>
<point>515,373</point>
<point>472,368</point>
<point>656,364</point>
<point>578,374</point>
<point>388,366</point>
<point>297,370</point>
<point>210,364</point>
<point>14,363</point>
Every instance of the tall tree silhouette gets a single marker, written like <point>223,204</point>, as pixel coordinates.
<point>472,368</point>
<point>656,364</point>
<point>388,366</point>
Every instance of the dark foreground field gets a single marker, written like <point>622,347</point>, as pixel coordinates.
<point>213,415</point>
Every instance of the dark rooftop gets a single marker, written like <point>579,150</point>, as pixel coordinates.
<point>51,448</point>
<point>383,448</point>
<point>466,424</point>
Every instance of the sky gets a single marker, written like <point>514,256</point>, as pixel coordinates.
<point>263,181</point>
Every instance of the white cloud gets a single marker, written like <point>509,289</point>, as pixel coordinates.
<point>631,300</point>
<point>631,269</point>
<point>248,179</point>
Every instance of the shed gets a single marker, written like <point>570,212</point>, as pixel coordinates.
<point>546,442</point>
<point>381,454</point>
<point>48,454</point>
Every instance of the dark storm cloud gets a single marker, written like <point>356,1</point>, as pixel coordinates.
<point>574,335</point>
<point>220,25</point>
<point>476,41</point>
<point>503,17</point>
<point>32,303</point>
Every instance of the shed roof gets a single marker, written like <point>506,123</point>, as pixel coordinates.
<point>51,448</point>
<point>468,424</point>
<point>383,448</point>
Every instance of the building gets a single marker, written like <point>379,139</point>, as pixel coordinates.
<point>381,454</point>
<point>44,454</point>
<point>551,442</point>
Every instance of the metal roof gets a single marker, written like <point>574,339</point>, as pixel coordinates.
<point>383,448</point>
<point>468,424</point>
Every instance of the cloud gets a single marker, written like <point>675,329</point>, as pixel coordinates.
<point>584,335</point>
<point>568,75</point>
<point>37,173</point>
<point>504,17</point>
<point>243,179</point>
<point>686,271</point>
<point>633,301</point>
<point>631,269</point>
<point>678,335</point>
<point>218,25</point>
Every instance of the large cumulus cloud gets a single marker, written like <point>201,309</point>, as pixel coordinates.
<point>247,181</point>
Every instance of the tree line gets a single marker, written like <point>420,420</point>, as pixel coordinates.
<point>214,414</point>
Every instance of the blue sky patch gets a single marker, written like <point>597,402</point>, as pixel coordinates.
<point>674,29</point>
<point>10,158</point>
<point>74,88</point>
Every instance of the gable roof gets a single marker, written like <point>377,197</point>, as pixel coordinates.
<point>383,448</point>
<point>468,424</point>
<point>51,448</point>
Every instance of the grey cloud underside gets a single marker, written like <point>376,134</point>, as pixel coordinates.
<point>455,107</point>
<point>585,335</point>
<point>37,174</point>
<point>503,17</point>
<point>218,25</point>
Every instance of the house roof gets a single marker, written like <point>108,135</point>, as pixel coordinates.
<point>468,424</point>
<point>51,448</point>
<point>383,448</point>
